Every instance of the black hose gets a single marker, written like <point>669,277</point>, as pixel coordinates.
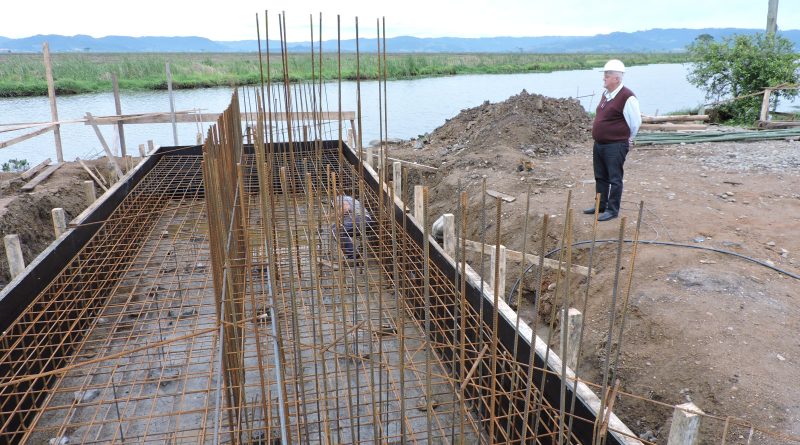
<point>658,243</point>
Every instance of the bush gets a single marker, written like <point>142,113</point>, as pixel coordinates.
<point>741,65</point>
<point>15,165</point>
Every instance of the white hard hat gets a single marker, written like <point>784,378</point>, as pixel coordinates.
<point>614,65</point>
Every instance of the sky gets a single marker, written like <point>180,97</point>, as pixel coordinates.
<point>236,19</point>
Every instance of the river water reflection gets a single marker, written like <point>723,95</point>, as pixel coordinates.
<point>414,106</point>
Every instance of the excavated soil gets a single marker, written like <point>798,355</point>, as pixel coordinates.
<point>700,326</point>
<point>29,214</point>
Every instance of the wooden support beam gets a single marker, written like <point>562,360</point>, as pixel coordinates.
<point>685,429</point>
<point>172,106</point>
<point>51,94</point>
<point>59,221</point>
<point>111,159</point>
<point>499,195</point>
<point>16,262</point>
<point>183,117</point>
<point>419,214</point>
<point>91,174</point>
<point>89,190</point>
<point>35,169</point>
<point>27,136</point>
<point>397,179</point>
<point>674,127</point>
<point>118,110</point>
<point>674,118</point>
<point>573,335</point>
<point>449,234</point>
<point>500,289</point>
<point>513,255</point>
<point>41,177</point>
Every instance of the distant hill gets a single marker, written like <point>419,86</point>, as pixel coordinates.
<point>653,40</point>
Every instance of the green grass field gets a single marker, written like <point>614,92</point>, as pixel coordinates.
<point>24,74</point>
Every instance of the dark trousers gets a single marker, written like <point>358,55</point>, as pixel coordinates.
<point>347,232</point>
<point>608,170</point>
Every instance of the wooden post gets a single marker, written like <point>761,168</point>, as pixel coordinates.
<point>88,188</point>
<point>350,139</point>
<point>685,425</point>
<point>59,221</point>
<point>501,279</point>
<point>397,179</point>
<point>142,153</point>
<point>16,263</point>
<point>419,215</point>
<point>51,93</point>
<point>368,156</point>
<point>118,109</point>
<point>355,136</point>
<point>111,159</point>
<point>172,106</point>
<point>150,146</point>
<point>573,335</point>
<point>449,234</point>
<point>764,116</point>
<point>772,17</point>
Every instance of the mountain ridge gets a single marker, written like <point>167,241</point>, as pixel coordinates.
<point>653,40</point>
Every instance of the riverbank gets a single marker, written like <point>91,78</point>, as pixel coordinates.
<point>24,74</point>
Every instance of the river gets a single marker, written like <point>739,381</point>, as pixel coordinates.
<point>414,106</point>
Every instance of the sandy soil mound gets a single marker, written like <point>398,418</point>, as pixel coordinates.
<point>534,124</point>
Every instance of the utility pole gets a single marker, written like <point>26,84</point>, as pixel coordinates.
<point>772,17</point>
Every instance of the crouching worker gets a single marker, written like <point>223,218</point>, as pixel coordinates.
<point>351,213</point>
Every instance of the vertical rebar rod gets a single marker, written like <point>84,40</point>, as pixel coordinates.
<point>612,313</point>
<point>495,320</point>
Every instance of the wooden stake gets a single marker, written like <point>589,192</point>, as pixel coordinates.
<point>449,234</point>
<point>501,280</point>
<point>685,429</point>
<point>59,221</point>
<point>418,198</point>
<point>88,188</point>
<point>574,323</point>
<point>397,179</point>
<point>764,116</point>
<point>51,93</point>
<point>16,263</point>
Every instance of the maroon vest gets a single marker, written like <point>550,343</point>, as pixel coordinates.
<point>609,122</point>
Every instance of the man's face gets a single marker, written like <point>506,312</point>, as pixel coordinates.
<point>610,80</point>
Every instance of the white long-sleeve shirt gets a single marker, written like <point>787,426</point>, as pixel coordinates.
<point>631,111</point>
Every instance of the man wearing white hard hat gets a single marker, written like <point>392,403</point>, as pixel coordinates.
<point>615,125</point>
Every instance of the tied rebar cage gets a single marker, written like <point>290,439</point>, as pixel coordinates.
<point>271,287</point>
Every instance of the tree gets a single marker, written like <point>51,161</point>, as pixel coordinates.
<point>741,65</point>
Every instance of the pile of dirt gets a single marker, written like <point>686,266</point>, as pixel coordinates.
<point>29,214</point>
<point>536,125</point>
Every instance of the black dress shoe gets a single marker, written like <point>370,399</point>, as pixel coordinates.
<point>605,216</point>
<point>590,211</point>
